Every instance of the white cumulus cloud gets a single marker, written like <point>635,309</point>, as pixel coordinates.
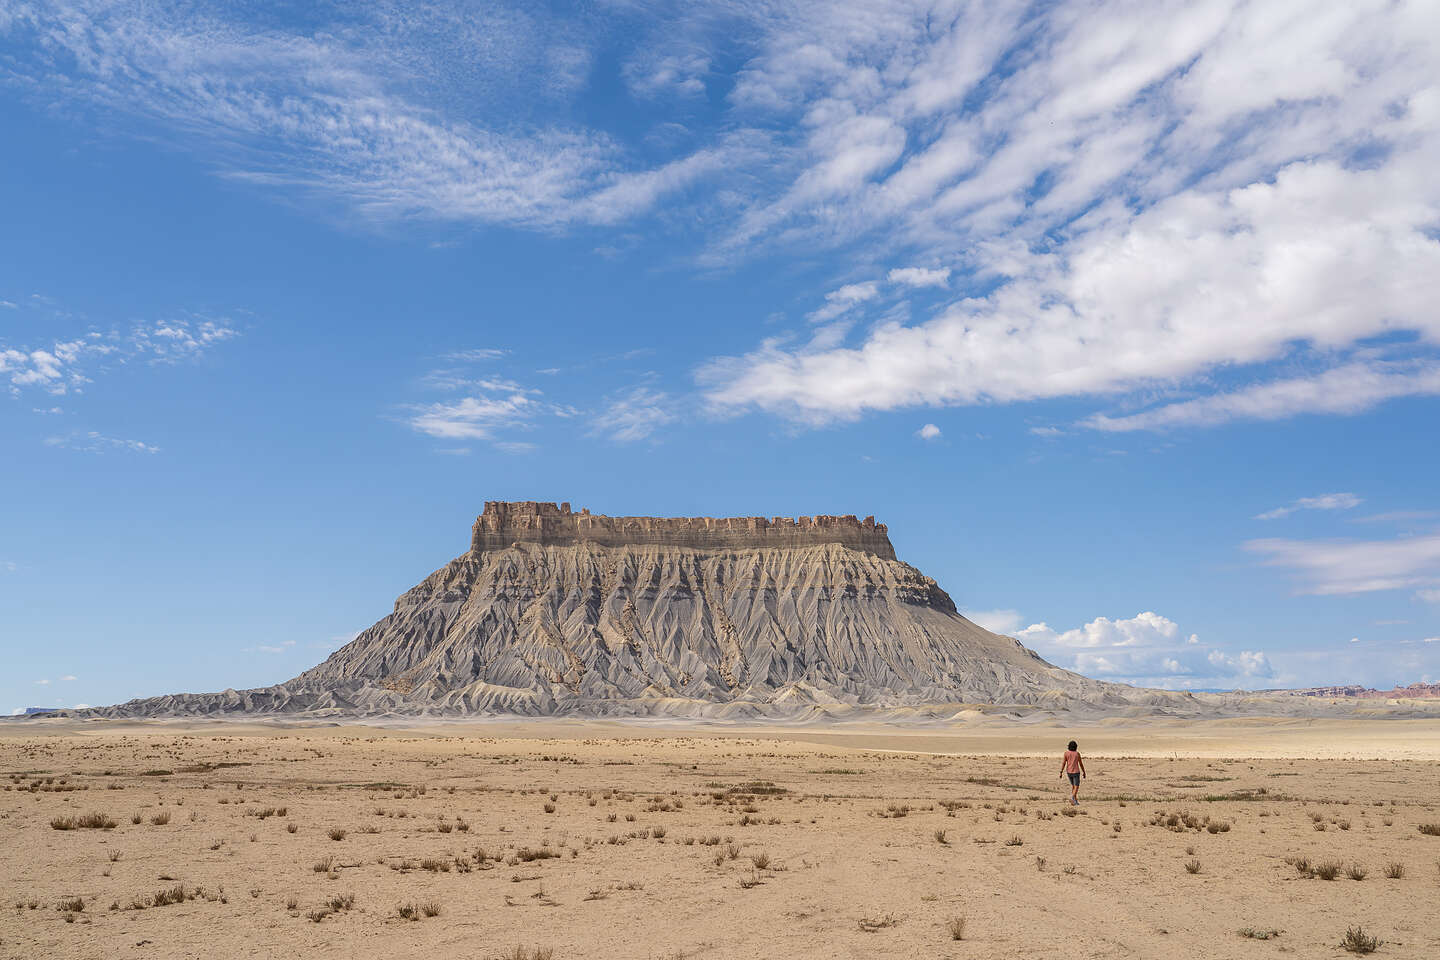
<point>919,277</point>
<point>1147,649</point>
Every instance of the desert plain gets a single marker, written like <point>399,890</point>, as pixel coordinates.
<point>573,839</point>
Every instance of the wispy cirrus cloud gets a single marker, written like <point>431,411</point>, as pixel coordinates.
<point>1341,567</point>
<point>475,417</point>
<point>397,110</point>
<point>486,407</point>
<point>1347,389</point>
<point>1325,501</point>
<point>634,414</point>
<point>1106,199</point>
<point>92,441</point>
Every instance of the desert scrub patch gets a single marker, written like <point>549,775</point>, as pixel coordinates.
<point>1192,866</point>
<point>335,833</point>
<point>414,911</point>
<point>1394,870</point>
<point>161,818</point>
<point>1356,871</point>
<point>339,903</point>
<point>534,953</point>
<point>1430,829</point>
<point>529,854</point>
<point>1356,940</point>
<point>1328,870</point>
<point>955,926</point>
<point>89,821</point>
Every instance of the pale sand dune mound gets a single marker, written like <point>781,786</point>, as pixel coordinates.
<point>552,612</point>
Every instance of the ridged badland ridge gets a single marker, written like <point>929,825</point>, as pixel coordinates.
<point>556,612</point>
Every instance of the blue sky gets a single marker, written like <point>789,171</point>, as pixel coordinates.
<point>1123,320</point>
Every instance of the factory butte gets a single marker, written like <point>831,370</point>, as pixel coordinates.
<point>557,612</point>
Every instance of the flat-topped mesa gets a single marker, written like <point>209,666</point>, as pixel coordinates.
<point>505,523</point>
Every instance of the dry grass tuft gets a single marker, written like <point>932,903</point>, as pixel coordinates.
<point>1328,870</point>
<point>1356,872</point>
<point>165,897</point>
<point>1430,829</point>
<point>411,911</point>
<point>89,821</point>
<point>1192,866</point>
<point>955,926</point>
<point>520,953</point>
<point>940,837</point>
<point>1394,870</point>
<point>161,818</point>
<point>1358,941</point>
<point>335,833</point>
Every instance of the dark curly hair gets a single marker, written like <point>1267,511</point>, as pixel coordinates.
<point>1072,746</point>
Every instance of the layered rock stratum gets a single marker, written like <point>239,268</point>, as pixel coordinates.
<point>554,612</point>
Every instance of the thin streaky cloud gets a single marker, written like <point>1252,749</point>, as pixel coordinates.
<point>1325,501</point>
<point>1343,567</point>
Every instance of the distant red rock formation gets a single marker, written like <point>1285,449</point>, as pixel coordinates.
<point>505,523</point>
<point>1415,691</point>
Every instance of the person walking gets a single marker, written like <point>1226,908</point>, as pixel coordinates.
<point>1073,767</point>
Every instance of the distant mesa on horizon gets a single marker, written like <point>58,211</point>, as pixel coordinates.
<point>1414,691</point>
<point>553,612</point>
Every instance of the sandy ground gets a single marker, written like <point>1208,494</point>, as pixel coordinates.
<point>672,842</point>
